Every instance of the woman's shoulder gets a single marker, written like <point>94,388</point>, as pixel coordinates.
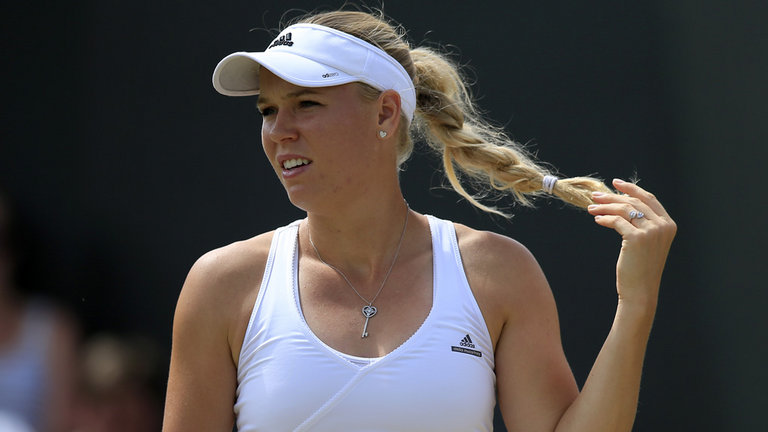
<point>503,274</point>
<point>224,278</point>
<point>219,293</point>
<point>493,252</point>
<point>235,260</point>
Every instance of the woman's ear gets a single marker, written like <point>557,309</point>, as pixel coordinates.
<point>389,111</point>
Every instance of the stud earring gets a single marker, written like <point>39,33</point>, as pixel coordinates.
<point>383,134</point>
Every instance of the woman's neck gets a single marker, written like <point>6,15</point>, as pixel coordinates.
<point>360,238</point>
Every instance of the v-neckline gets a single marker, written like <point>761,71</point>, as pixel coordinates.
<point>340,355</point>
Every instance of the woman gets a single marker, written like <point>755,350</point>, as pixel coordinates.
<point>369,316</point>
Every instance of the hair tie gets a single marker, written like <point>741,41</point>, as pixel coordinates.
<point>548,183</point>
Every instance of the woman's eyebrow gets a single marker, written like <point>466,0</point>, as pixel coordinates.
<point>293,94</point>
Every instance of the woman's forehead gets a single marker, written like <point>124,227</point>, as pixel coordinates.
<point>268,81</point>
<point>272,86</point>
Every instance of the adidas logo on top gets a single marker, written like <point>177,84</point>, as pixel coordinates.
<point>467,342</point>
<point>467,347</point>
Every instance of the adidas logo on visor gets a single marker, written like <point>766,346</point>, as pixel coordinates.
<point>282,40</point>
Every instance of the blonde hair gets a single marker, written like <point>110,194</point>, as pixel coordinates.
<point>473,151</point>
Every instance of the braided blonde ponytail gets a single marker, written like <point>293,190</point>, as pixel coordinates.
<point>472,150</point>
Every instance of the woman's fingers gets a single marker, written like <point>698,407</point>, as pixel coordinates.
<point>636,212</point>
<point>617,223</point>
<point>638,207</point>
<point>630,210</point>
<point>635,204</point>
<point>634,191</point>
<point>647,232</point>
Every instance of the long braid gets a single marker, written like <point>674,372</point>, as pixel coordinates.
<point>472,148</point>
<point>473,151</point>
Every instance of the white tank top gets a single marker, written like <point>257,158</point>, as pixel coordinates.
<point>441,379</point>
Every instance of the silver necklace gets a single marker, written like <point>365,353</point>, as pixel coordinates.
<point>369,310</point>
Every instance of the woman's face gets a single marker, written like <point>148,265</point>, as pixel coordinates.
<point>321,142</point>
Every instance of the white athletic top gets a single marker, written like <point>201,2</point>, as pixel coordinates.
<point>441,379</point>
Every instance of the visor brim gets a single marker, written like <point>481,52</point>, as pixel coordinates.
<point>238,74</point>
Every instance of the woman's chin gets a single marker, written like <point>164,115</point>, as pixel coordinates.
<point>299,197</point>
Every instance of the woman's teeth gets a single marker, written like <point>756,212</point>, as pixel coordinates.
<point>292,163</point>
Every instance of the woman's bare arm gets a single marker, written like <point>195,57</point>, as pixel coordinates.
<point>535,383</point>
<point>536,387</point>
<point>608,401</point>
<point>208,327</point>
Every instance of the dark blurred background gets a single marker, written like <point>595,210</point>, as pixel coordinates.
<point>125,165</point>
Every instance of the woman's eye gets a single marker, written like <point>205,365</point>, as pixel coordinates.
<point>266,111</point>
<point>308,103</point>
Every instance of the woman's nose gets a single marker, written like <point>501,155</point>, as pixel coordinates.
<point>282,127</point>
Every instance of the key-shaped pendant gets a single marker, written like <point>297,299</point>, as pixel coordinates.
<point>368,312</point>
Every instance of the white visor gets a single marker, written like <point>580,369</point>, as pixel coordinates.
<point>311,55</point>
